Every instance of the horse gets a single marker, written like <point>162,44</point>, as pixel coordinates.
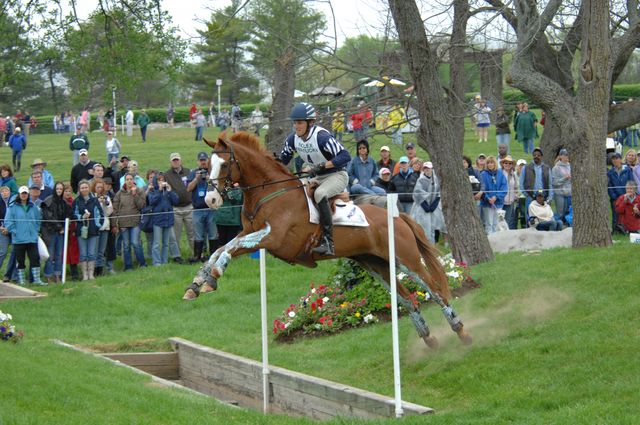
<point>275,216</point>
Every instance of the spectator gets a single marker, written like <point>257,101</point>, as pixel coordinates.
<point>411,153</point>
<point>200,123</point>
<point>384,179</point>
<point>627,207</point>
<point>236,117</point>
<point>5,240</point>
<point>228,221</point>
<point>36,181</point>
<point>503,132</point>
<point>34,195</point>
<point>212,115</point>
<point>7,179</point>
<point>525,125</point>
<point>55,210</point>
<point>123,168</point>
<point>403,184</point>
<point>91,217</point>
<point>467,165</point>
<point>561,182</point>
<point>110,250</point>
<point>223,120</point>
<point>362,172</point>
<point>133,169</point>
<point>73,251</point>
<point>143,122</point>
<point>148,232</point>
<point>535,176</point>
<point>162,199</point>
<point>47,177</point>
<point>99,190</point>
<point>112,146</point>
<point>170,114</point>
<point>127,204</point>
<point>361,121</point>
<point>396,122</point>
<point>541,214</point>
<point>521,208</point>
<point>480,163</point>
<point>385,159</point>
<point>3,129</point>
<point>192,114</point>
<point>18,144</point>
<point>513,188</point>
<point>256,120</point>
<point>502,154</point>
<point>494,188</point>
<point>83,170</point>
<point>177,176</point>
<point>426,209</point>
<point>23,221</point>
<point>204,218</point>
<point>337,123</point>
<point>109,122</point>
<point>128,119</point>
<point>618,176</point>
<point>78,142</point>
<point>416,164</point>
<point>483,121</point>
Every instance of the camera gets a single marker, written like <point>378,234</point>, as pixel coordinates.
<point>202,171</point>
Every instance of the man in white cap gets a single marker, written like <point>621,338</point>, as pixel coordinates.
<point>83,170</point>
<point>177,176</point>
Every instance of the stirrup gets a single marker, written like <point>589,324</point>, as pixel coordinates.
<point>325,248</point>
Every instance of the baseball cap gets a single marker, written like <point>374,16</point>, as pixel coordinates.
<point>385,170</point>
<point>34,186</point>
<point>427,164</point>
<point>385,148</point>
<point>410,145</point>
<point>124,157</point>
<point>521,162</point>
<point>403,159</point>
<point>202,155</point>
<point>83,152</point>
<point>616,155</point>
<point>537,149</point>
<point>482,156</point>
<point>17,130</point>
<point>539,192</point>
<point>507,159</point>
<point>107,180</point>
<point>23,189</point>
<point>563,151</point>
<point>174,155</point>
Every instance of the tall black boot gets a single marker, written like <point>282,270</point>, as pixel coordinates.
<point>73,268</point>
<point>326,222</point>
<point>198,246</point>
<point>214,244</point>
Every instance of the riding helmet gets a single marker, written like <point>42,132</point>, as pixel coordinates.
<point>303,111</point>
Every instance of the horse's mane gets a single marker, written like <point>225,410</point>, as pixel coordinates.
<point>254,144</point>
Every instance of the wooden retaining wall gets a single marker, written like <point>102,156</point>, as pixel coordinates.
<point>238,380</point>
<point>9,291</point>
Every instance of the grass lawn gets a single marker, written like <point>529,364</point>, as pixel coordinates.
<point>554,336</point>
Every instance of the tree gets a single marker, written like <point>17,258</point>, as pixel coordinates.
<point>576,106</point>
<point>125,48</point>
<point>222,53</point>
<point>441,111</point>
<point>286,33</point>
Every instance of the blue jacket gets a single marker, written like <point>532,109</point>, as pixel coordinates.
<point>18,142</point>
<point>162,202</point>
<point>23,222</point>
<point>617,182</point>
<point>493,183</point>
<point>331,149</point>
<point>95,221</point>
<point>198,194</point>
<point>365,172</point>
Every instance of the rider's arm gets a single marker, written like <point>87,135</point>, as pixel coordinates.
<point>287,150</point>
<point>333,149</point>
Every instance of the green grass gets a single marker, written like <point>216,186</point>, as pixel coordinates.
<point>555,340</point>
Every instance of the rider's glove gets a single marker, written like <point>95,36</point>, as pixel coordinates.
<point>315,169</point>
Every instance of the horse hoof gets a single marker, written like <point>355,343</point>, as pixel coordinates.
<point>431,341</point>
<point>190,295</point>
<point>216,272</point>
<point>465,338</point>
<point>206,288</point>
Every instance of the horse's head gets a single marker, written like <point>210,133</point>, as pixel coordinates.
<point>223,171</point>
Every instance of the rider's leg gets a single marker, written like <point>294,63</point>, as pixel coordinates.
<point>329,185</point>
<point>326,222</point>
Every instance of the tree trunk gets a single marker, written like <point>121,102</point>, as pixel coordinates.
<point>283,87</point>
<point>468,240</point>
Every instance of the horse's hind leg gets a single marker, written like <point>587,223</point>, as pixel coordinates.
<point>380,268</point>
<point>449,313</point>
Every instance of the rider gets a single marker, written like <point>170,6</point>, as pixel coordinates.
<point>327,159</point>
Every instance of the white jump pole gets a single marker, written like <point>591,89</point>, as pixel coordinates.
<point>392,199</point>
<point>64,249</point>
<point>265,340</point>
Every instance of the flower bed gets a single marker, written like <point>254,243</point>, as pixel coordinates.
<point>8,330</point>
<point>352,298</point>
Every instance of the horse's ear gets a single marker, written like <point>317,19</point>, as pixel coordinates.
<point>211,144</point>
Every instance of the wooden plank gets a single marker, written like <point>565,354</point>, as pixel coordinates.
<point>164,365</point>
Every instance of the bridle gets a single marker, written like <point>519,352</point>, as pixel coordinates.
<point>228,182</point>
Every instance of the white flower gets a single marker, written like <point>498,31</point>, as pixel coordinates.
<point>313,290</point>
<point>454,274</point>
<point>292,314</point>
<point>369,318</point>
<point>325,300</point>
<point>286,325</point>
<point>401,276</point>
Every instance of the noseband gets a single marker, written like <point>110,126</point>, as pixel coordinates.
<point>228,182</point>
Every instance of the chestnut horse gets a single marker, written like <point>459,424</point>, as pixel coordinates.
<point>275,217</point>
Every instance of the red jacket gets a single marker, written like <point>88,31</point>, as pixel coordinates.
<point>364,115</point>
<point>626,216</point>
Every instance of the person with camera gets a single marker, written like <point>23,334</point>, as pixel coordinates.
<point>162,198</point>
<point>99,189</point>
<point>87,210</point>
<point>203,217</point>
<point>628,209</point>
<point>127,205</point>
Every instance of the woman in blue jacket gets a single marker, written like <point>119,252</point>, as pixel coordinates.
<point>363,172</point>
<point>23,222</point>
<point>494,187</point>
<point>18,143</point>
<point>162,198</point>
<point>90,216</point>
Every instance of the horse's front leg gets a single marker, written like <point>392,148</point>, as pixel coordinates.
<point>206,279</point>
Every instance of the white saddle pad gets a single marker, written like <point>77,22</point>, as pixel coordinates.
<point>347,213</point>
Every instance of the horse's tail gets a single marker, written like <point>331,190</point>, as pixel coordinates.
<point>430,255</point>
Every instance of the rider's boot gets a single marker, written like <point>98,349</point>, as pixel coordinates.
<point>326,222</point>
